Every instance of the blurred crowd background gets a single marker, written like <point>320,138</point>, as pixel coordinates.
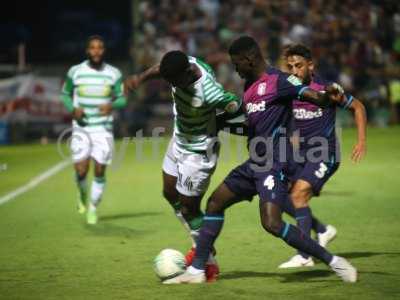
<point>354,42</point>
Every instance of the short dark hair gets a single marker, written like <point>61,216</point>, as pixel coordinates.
<point>298,49</point>
<point>95,37</point>
<point>173,63</point>
<point>245,45</point>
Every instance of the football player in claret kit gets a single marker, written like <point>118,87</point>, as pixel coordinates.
<point>92,89</point>
<point>268,100</point>
<point>192,154</point>
<point>315,133</point>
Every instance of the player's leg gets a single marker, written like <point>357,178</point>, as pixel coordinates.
<point>213,221</point>
<point>170,181</point>
<point>237,186</point>
<point>309,184</point>
<point>271,220</point>
<point>317,226</point>
<point>81,170</point>
<point>102,145</point>
<point>172,196</point>
<point>194,175</point>
<point>301,193</point>
<point>96,191</point>
<point>80,150</point>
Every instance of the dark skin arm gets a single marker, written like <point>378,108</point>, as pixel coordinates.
<point>77,113</point>
<point>332,95</point>
<point>134,81</point>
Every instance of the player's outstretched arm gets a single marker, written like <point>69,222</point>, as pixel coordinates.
<point>333,94</point>
<point>360,118</point>
<point>134,81</point>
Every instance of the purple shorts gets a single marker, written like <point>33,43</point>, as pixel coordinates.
<point>247,180</point>
<point>316,173</point>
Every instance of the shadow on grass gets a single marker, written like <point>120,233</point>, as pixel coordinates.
<point>366,254</point>
<point>337,193</point>
<point>128,215</point>
<point>308,275</point>
<point>110,229</point>
<point>299,276</point>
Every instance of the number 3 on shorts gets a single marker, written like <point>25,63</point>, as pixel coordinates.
<point>269,182</point>
<point>321,171</point>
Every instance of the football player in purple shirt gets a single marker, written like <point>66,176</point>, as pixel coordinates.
<point>315,134</point>
<point>268,98</point>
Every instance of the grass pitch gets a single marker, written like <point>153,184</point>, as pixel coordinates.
<point>48,252</point>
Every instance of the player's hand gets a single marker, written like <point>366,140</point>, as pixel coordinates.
<point>105,109</point>
<point>131,83</point>
<point>335,93</point>
<point>77,113</point>
<point>358,152</point>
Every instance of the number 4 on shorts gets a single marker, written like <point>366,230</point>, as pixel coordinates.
<point>269,182</point>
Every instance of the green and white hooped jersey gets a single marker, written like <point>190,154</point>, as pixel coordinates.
<point>91,88</point>
<point>195,110</point>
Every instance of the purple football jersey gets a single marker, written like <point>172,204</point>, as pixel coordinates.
<point>268,105</point>
<point>313,121</point>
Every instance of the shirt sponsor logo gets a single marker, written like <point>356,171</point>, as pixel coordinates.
<point>255,107</point>
<point>294,80</point>
<point>304,114</point>
<point>262,88</point>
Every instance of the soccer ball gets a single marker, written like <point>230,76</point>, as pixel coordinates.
<point>169,263</point>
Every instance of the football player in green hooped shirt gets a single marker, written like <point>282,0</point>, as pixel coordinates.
<point>92,89</point>
<point>192,154</point>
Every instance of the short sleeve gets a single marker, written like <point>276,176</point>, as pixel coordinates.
<point>347,102</point>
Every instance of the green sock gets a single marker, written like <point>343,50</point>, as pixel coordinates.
<point>196,222</point>
<point>82,187</point>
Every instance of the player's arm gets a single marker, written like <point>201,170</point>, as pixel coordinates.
<point>290,87</point>
<point>120,99</point>
<point>360,118</point>
<point>134,81</point>
<point>232,117</point>
<point>66,98</point>
<point>333,94</point>
<point>236,123</point>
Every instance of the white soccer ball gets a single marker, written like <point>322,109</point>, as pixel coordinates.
<point>169,263</point>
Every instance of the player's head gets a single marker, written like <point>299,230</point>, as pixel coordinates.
<point>245,55</point>
<point>95,49</point>
<point>299,62</point>
<point>175,68</point>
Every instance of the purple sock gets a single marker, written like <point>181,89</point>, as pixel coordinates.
<point>304,221</point>
<point>212,225</point>
<point>287,207</point>
<point>297,239</point>
<point>317,226</point>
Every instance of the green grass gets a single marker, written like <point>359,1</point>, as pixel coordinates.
<point>47,251</point>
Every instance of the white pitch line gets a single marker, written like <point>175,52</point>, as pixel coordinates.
<point>34,181</point>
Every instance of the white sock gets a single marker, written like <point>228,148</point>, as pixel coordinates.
<point>194,234</point>
<point>194,271</point>
<point>334,260</point>
<point>185,224</point>
<point>97,191</point>
<point>92,208</point>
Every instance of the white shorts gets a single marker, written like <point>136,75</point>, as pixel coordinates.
<point>192,170</point>
<point>96,145</point>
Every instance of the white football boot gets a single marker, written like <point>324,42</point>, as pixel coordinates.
<point>343,269</point>
<point>187,277</point>
<point>328,236</point>
<point>297,261</point>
